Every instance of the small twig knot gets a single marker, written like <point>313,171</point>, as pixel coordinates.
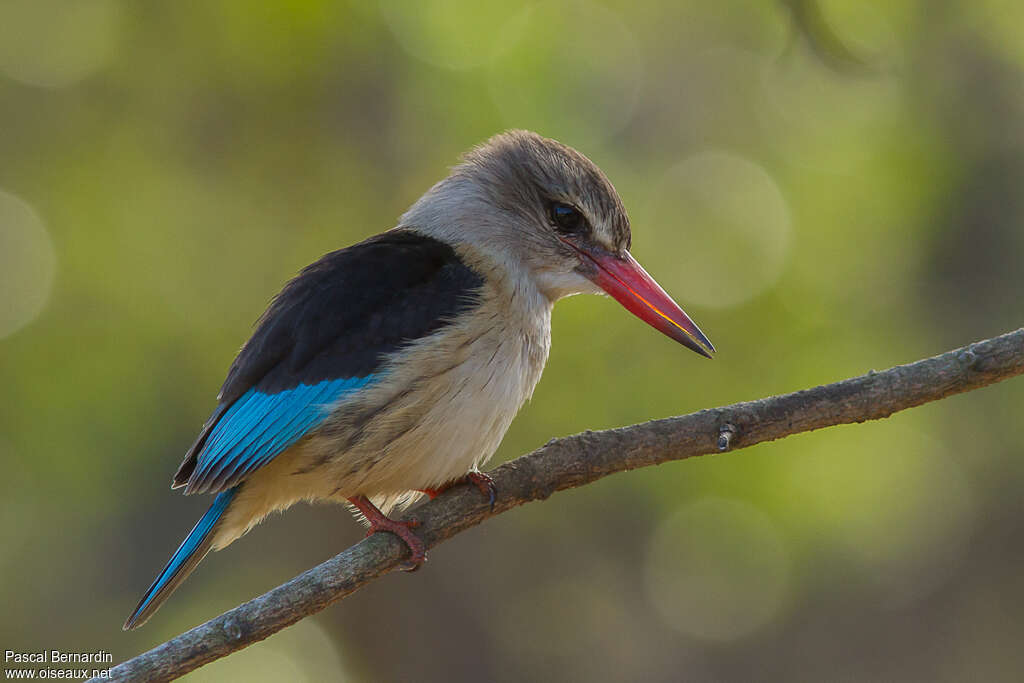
<point>232,629</point>
<point>726,434</point>
<point>968,358</point>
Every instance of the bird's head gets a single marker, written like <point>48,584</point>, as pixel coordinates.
<point>543,210</point>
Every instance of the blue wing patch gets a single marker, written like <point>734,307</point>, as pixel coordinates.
<point>260,425</point>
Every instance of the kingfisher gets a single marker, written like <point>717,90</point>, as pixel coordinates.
<point>392,368</point>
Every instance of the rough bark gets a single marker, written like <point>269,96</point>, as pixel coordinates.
<point>578,460</point>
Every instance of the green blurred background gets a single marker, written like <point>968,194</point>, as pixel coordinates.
<point>825,188</point>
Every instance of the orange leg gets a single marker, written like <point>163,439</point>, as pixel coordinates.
<point>403,529</point>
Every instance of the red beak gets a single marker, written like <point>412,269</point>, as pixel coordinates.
<point>627,282</point>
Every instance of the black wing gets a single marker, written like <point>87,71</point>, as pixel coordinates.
<point>333,323</point>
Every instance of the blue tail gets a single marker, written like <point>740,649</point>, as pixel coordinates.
<point>191,551</point>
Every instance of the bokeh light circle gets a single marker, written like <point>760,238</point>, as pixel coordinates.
<point>723,229</point>
<point>821,116</point>
<point>571,70</point>
<point>717,570</point>
<point>54,43</point>
<point>27,264</point>
<point>449,34</point>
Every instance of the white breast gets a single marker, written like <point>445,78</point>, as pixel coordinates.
<point>473,404</point>
<point>454,398</point>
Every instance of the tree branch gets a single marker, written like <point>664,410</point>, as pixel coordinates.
<point>578,460</point>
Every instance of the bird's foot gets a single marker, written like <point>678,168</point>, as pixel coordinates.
<point>399,527</point>
<point>482,481</point>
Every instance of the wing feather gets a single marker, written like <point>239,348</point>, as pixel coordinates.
<point>325,336</point>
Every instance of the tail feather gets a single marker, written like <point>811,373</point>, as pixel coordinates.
<point>189,554</point>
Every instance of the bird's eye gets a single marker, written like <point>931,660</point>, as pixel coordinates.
<point>567,218</point>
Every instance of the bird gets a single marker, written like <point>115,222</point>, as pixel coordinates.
<point>392,368</point>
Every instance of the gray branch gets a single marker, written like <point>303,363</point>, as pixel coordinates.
<point>578,460</point>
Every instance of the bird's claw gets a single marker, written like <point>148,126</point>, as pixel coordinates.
<point>482,481</point>
<point>485,484</point>
<point>403,529</point>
